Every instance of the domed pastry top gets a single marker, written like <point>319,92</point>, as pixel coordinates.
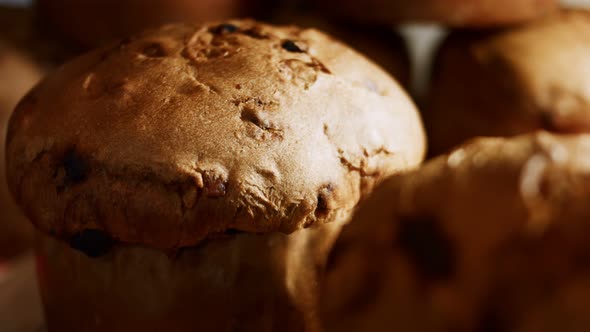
<point>191,130</point>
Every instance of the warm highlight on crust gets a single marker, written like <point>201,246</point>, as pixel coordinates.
<point>190,130</point>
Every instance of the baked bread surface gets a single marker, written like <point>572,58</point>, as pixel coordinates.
<point>194,130</point>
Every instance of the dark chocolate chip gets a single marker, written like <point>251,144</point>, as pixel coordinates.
<point>291,46</point>
<point>214,185</point>
<point>224,28</point>
<point>92,242</point>
<point>428,247</point>
<point>75,167</point>
<point>322,209</point>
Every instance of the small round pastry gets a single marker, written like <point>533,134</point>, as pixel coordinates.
<point>512,81</point>
<point>197,174</point>
<point>492,237</point>
<point>91,23</point>
<point>382,44</point>
<point>458,13</point>
<point>17,75</point>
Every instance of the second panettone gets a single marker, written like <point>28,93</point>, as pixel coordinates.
<point>511,81</point>
<point>492,237</point>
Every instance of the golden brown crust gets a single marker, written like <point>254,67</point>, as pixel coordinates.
<point>191,130</point>
<point>512,81</point>
<point>449,12</point>
<point>17,75</point>
<point>490,234</point>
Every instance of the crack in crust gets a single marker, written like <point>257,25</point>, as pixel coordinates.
<point>256,112</point>
<point>361,168</point>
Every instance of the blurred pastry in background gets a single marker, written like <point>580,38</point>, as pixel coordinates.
<point>492,237</point>
<point>18,28</point>
<point>90,23</point>
<point>16,24</point>
<point>197,175</point>
<point>511,81</point>
<point>18,74</point>
<point>458,13</point>
<point>381,44</point>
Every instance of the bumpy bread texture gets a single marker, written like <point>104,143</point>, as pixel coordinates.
<point>191,130</point>
<point>91,23</point>
<point>17,76</point>
<point>471,13</point>
<point>381,44</point>
<point>511,81</point>
<point>492,237</point>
